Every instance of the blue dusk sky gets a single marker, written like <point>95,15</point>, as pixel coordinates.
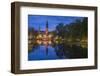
<point>36,21</point>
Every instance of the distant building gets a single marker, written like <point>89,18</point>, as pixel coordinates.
<point>44,36</point>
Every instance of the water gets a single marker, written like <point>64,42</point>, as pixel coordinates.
<point>58,51</point>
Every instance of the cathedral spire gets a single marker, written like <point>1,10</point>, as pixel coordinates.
<point>47,28</point>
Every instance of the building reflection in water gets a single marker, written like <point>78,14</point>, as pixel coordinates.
<point>51,50</point>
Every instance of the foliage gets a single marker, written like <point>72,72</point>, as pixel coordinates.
<point>73,31</point>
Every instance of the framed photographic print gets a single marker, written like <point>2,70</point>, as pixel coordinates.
<point>52,37</point>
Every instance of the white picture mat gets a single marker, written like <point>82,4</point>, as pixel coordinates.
<point>26,65</point>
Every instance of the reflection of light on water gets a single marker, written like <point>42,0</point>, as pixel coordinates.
<point>50,42</point>
<point>84,45</point>
<point>44,42</point>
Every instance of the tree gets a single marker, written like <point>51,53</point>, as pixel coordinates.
<point>60,30</point>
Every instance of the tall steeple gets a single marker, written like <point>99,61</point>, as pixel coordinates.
<point>47,28</point>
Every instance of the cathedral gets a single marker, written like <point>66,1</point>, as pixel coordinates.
<point>44,37</point>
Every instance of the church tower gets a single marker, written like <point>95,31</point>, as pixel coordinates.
<point>46,28</point>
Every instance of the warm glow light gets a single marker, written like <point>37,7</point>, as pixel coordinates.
<point>44,36</point>
<point>37,37</point>
<point>45,42</point>
<point>49,42</point>
<point>29,42</point>
<point>30,36</point>
<point>50,36</point>
<point>39,42</point>
<point>83,45</point>
<point>44,39</point>
<point>40,36</point>
<point>56,37</point>
<point>57,42</point>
